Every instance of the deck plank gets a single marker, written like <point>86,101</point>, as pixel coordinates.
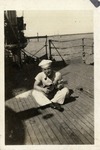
<point>81,133</point>
<point>31,133</point>
<point>37,130</point>
<point>54,128</point>
<point>10,104</point>
<point>27,140</point>
<point>81,126</point>
<point>32,128</point>
<point>40,126</point>
<point>55,139</point>
<point>80,103</point>
<point>84,110</point>
<point>81,108</point>
<point>82,117</point>
<point>64,129</point>
<point>17,109</point>
<point>47,139</point>
<point>57,127</point>
<point>70,123</point>
<point>49,131</point>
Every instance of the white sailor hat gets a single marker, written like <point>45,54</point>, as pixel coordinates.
<point>45,63</point>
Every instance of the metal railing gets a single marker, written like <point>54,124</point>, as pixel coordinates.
<point>81,44</point>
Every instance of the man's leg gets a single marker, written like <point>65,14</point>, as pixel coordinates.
<point>61,95</point>
<point>40,98</point>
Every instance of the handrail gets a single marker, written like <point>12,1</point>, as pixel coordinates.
<point>71,40</point>
<point>71,47</point>
<point>36,37</point>
<point>54,47</point>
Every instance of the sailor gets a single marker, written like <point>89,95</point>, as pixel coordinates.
<point>49,87</point>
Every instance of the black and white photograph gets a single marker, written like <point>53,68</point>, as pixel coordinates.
<point>49,77</point>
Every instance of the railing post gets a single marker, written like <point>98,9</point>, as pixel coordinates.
<point>46,47</point>
<point>92,48</point>
<point>37,37</point>
<point>83,51</point>
<point>50,56</point>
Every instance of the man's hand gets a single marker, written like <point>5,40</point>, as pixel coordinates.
<point>46,90</point>
<point>60,86</point>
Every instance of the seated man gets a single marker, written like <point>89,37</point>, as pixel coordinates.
<point>49,87</point>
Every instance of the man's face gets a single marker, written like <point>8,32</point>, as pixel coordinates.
<point>47,71</point>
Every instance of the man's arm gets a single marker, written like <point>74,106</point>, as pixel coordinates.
<point>58,82</point>
<point>39,88</point>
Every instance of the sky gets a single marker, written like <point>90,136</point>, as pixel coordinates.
<point>57,22</point>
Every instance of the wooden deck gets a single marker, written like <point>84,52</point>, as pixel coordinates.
<point>75,125</point>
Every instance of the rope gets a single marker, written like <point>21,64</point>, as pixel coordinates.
<point>71,47</point>
<point>35,53</point>
<point>68,54</point>
<point>66,40</point>
<point>89,38</point>
<point>66,47</point>
<point>71,40</point>
<point>28,53</point>
<point>39,50</point>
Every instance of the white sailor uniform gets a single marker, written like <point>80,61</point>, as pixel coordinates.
<point>55,95</point>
